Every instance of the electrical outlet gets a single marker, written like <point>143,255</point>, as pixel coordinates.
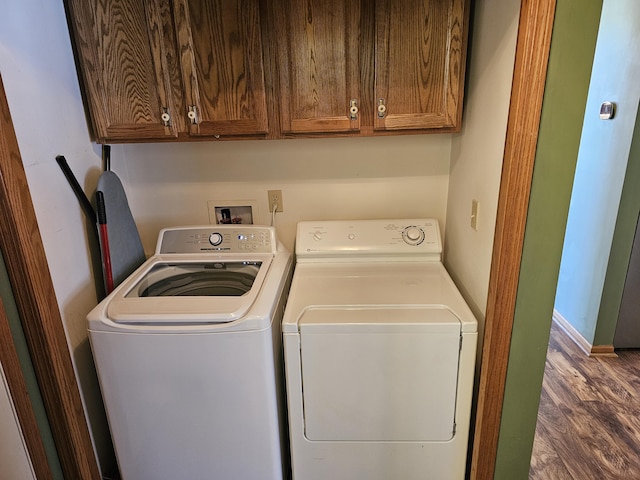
<point>475,210</point>
<point>275,198</point>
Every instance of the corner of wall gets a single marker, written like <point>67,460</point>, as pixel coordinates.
<point>621,247</point>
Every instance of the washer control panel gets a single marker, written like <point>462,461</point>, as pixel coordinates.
<point>369,238</point>
<point>217,239</point>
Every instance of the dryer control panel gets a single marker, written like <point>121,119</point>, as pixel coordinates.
<point>217,239</point>
<point>391,239</point>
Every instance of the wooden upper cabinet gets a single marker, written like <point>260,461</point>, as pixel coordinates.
<point>318,65</point>
<point>222,69</point>
<point>401,63</point>
<point>121,45</point>
<point>183,69</point>
<point>419,63</point>
<point>159,69</point>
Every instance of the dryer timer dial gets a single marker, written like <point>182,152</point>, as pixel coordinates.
<point>413,235</point>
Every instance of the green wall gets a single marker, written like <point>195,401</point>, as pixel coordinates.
<point>571,57</point>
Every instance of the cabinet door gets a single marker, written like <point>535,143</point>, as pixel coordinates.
<point>121,47</point>
<point>419,63</point>
<point>318,65</point>
<point>222,68</point>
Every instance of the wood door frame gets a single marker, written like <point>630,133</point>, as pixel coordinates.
<point>527,92</point>
<point>28,270</point>
<point>21,243</point>
<point>20,397</point>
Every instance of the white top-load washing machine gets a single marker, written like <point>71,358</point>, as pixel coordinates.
<point>188,355</point>
<point>379,354</point>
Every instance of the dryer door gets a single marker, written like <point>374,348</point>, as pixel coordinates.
<point>379,373</point>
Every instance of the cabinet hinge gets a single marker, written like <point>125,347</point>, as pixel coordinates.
<point>192,114</point>
<point>353,109</point>
<point>165,117</point>
<point>382,108</point>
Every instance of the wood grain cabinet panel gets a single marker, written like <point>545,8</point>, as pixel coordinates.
<point>162,69</point>
<point>222,69</point>
<point>185,69</point>
<point>125,68</point>
<point>318,65</point>
<point>419,63</point>
<point>401,61</point>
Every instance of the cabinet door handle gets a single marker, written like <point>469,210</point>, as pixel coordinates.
<point>382,108</point>
<point>192,114</point>
<point>353,109</point>
<point>165,117</point>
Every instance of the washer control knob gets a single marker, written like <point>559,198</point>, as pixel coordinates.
<point>215,239</point>
<point>413,235</point>
<point>317,236</point>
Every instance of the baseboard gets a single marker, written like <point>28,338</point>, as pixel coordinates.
<point>580,341</point>
<point>603,351</point>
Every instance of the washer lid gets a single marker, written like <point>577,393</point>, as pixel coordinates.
<point>198,279</point>
<point>178,291</point>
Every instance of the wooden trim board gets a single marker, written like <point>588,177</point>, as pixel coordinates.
<point>20,397</point>
<point>23,251</point>
<point>532,55</point>
<point>603,351</point>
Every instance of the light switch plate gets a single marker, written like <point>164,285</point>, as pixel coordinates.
<point>475,209</point>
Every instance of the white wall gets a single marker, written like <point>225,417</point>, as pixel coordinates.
<point>38,71</point>
<point>391,177</point>
<point>477,152</point>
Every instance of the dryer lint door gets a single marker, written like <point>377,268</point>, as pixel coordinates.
<point>379,373</point>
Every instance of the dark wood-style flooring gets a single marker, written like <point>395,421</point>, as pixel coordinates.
<point>589,418</point>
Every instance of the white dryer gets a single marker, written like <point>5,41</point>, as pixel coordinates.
<point>188,355</point>
<point>379,354</point>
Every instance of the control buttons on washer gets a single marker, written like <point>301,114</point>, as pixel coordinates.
<point>215,239</point>
<point>413,235</point>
